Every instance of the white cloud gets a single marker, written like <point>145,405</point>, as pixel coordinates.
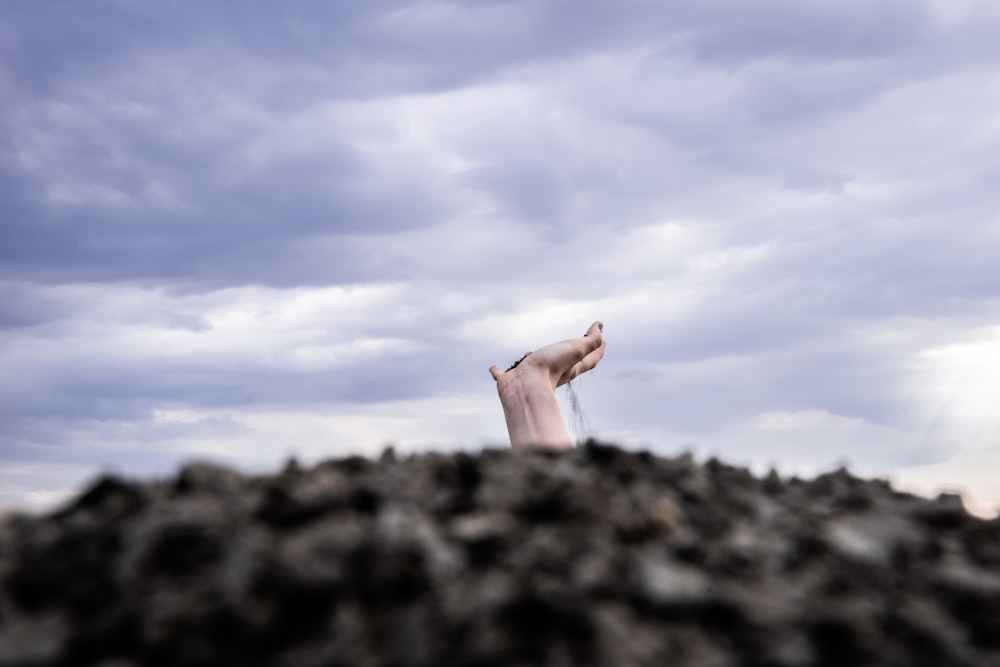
<point>40,486</point>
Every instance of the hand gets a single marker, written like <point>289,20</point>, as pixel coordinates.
<point>562,361</point>
<point>527,389</point>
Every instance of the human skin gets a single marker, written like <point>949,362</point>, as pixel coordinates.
<point>527,392</point>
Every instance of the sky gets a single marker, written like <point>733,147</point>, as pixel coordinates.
<point>246,231</point>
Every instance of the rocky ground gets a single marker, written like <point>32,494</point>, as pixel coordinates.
<point>592,557</point>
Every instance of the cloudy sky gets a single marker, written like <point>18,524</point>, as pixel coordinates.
<point>242,231</point>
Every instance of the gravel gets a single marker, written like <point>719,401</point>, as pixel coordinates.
<point>596,556</point>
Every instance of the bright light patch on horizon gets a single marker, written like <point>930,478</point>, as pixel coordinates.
<point>957,389</point>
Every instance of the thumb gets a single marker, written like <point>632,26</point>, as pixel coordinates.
<point>495,372</point>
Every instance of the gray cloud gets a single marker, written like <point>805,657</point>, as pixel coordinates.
<point>813,30</point>
<point>234,215</point>
<point>809,179</point>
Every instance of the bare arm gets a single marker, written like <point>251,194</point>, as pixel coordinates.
<point>527,392</point>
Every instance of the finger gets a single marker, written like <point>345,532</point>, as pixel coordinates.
<point>591,359</point>
<point>495,372</point>
<point>594,337</point>
<point>567,354</point>
<point>584,365</point>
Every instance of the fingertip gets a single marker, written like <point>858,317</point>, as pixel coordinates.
<point>495,372</point>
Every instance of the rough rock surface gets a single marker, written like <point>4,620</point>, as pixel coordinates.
<point>595,556</point>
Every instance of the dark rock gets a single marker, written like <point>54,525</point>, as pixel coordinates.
<point>598,556</point>
<point>211,479</point>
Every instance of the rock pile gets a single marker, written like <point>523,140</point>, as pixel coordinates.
<point>592,557</point>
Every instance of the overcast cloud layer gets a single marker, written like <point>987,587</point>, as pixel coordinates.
<point>243,231</point>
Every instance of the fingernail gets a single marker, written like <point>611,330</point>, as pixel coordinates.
<point>600,325</point>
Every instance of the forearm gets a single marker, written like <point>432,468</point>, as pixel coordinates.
<point>533,415</point>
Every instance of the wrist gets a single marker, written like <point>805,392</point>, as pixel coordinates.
<point>531,410</point>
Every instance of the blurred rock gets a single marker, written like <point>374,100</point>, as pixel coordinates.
<point>592,557</point>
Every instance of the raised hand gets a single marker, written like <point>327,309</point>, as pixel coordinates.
<point>527,388</point>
